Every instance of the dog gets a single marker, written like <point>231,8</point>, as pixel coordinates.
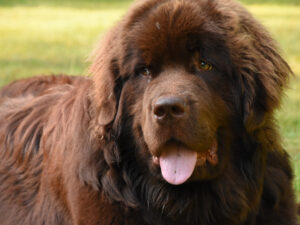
<point>175,126</point>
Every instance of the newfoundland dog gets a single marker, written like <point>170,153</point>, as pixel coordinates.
<point>175,127</point>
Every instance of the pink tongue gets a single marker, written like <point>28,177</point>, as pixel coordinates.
<point>177,164</point>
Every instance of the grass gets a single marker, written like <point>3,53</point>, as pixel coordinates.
<point>46,40</point>
<point>56,36</point>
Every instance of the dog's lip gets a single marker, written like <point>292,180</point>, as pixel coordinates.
<point>209,155</point>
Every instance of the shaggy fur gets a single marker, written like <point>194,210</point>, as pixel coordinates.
<point>38,85</point>
<point>77,151</point>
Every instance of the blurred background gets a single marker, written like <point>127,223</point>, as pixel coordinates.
<point>57,36</point>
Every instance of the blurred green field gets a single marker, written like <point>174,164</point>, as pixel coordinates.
<point>56,36</point>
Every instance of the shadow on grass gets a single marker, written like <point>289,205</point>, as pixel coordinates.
<point>68,3</point>
<point>112,3</point>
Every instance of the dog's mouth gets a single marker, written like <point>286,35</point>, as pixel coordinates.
<point>178,163</point>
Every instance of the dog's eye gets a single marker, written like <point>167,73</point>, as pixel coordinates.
<point>145,72</point>
<point>203,65</point>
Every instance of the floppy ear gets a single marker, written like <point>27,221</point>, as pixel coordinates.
<point>104,69</point>
<point>262,72</point>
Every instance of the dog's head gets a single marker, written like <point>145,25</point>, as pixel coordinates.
<point>177,85</point>
<point>186,73</point>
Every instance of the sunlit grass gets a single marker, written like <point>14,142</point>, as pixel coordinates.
<point>57,37</point>
<point>284,24</point>
<point>44,40</point>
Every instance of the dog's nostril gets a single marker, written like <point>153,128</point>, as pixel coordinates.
<point>166,107</point>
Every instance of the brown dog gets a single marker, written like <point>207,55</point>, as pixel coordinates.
<point>176,127</point>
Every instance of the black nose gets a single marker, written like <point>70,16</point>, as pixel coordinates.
<point>169,108</point>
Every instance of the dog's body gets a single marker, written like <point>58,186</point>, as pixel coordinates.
<point>38,85</point>
<point>173,131</point>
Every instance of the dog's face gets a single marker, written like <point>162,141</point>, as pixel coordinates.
<point>190,76</point>
<point>182,75</point>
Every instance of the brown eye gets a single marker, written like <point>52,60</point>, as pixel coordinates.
<point>145,72</point>
<point>203,65</point>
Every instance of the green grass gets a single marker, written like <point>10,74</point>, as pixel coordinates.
<point>56,36</point>
<point>45,39</point>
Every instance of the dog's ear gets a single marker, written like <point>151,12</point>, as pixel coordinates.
<point>262,73</point>
<point>104,69</point>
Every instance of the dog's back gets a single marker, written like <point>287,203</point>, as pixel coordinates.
<point>25,109</point>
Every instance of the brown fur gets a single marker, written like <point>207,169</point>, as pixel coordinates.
<point>37,85</point>
<point>82,152</point>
